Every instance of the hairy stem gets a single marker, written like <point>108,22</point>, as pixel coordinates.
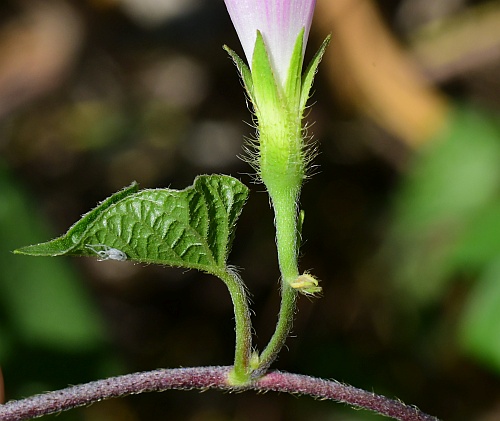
<point>243,327</point>
<point>204,378</point>
<point>285,214</point>
<point>283,329</point>
<point>285,210</point>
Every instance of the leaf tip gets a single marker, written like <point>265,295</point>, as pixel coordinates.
<point>27,250</point>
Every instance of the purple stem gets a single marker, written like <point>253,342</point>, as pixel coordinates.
<point>203,378</point>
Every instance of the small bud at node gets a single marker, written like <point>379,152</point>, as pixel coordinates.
<point>306,284</point>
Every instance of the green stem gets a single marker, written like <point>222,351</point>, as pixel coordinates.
<point>283,329</point>
<point>285,214</point>
<point>240,373</point>
<point>285,208</point>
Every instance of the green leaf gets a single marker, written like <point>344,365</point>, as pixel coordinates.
<point>308,78</point>
<point>191,228</point>
<point>63,245</point>
<point>243,70</point>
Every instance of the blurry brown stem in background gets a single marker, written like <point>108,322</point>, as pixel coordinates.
<point>204,378</point>
<point>459,44</point>
<point>371,71</point>
<point>37,51</point>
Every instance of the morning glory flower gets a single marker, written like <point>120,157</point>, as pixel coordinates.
<point>274,34</point>
<point>279,21</point>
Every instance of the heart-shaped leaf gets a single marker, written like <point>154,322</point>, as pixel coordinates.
<point>190,228</point>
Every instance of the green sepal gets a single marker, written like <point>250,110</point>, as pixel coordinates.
<point>243,70</point>
<point>191,228</point>
<point>266,92</point>
<point>294,77</point>
<point>308,77</point>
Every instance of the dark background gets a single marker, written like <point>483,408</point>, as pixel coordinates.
<point>95,94</point>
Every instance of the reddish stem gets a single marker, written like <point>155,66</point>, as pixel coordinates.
<point>203,378</point>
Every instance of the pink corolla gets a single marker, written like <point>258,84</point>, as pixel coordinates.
<point>279,21</point>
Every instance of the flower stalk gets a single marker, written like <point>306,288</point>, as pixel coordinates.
<point>240,373</point>
<point>274,34</point>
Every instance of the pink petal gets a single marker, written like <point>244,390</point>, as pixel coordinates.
<point>279,21</point>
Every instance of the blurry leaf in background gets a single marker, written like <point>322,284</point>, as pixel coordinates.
<point>479,244</point>
<point>448,224</point>
<point>451,182</point>
<point>44,299</point>
<point>480,326</point>
<point>45,311</point>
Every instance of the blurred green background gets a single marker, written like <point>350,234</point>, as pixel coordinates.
<point>402,215</point>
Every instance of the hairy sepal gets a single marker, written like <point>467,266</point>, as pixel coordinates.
<point>280,139</point>
<point>268,99</point>
<point>243,70</point>
<point>293,82</point>
<point>308,77</point>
